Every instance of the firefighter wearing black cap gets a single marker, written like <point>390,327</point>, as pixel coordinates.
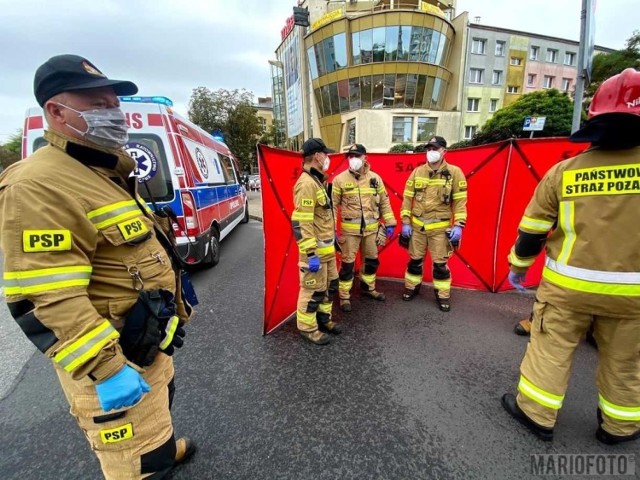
<point>314,229</point>
<point>88,276</point>
<point>359,196</point>
<point>434,212</point>
<point>582,207</point>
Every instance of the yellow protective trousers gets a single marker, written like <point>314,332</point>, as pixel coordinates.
<point>350,245</point>
<point>544,372</point>
<point>317,290</point>
<point>434,240</point>
<point>130,443</point>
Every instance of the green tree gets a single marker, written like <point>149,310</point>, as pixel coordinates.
<point>269,137</point>
<point>606,65</point>
<point>11,149</point>
<point>507,122</point>
<point>232,113</point>
<point>402,147</point>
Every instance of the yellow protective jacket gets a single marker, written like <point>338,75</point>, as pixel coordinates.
<point>362,200</point>
<point>433,197</point>
<point>77,246</point>
<point>589,204</point>
<point>312,217</point>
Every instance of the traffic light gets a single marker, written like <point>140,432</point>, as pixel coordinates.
<point>301,16</point>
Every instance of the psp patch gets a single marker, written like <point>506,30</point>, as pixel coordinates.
<point>147,161</point>
<point>132,228</point>
<point>462,184</point>
<point>118,434</point>
<point>310,283</point>
<point>46,240</point>
<point>307,202</point>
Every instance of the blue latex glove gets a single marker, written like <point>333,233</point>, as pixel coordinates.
<point>124,389</point>
<point>406,230</point>
<point>456,234</point>
<point>314,263</point>
<point>516,280</point>
<point>390,231</point>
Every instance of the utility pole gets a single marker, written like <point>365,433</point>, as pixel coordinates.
<point>584,63</point>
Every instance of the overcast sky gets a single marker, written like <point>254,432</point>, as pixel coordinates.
<point>169,47</point>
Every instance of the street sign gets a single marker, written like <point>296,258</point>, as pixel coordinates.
<point>533,124</point>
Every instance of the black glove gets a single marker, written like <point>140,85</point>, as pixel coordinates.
<point>171,332</point>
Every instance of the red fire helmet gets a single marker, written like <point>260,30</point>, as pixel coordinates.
<point>618,94</point>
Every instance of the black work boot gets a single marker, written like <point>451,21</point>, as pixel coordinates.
<point>185,448</point>
<point>330,327</point>
<point>379,296</point>
<point>409,294</point>
<point>345,305</point>
<point>523,327</point>
<point>511,405</point>
<point>316,337</point>
<point>610,439</point>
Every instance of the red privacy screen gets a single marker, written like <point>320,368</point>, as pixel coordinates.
<point>501,179</point>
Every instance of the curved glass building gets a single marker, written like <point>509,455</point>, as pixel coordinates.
<point>375,72</point>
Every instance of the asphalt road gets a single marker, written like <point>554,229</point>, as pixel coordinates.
<point>406,392</point>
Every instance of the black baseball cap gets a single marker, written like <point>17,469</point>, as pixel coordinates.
<point>64,73</point>
<point>357,149</point>
<point>314,145</point>
<point>438,142</point>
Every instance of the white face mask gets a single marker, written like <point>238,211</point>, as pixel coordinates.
<point>433,156</point>
<point>355,163</point>
<point>106,127</point>
<point>326,163</point>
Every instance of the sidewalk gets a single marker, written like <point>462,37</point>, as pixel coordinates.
<point>255,205</point>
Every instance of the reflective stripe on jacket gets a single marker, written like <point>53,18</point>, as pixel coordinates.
<point>76,246</point>
<point>435,195</point>
<point>589,204</point>
<point>362,201</point>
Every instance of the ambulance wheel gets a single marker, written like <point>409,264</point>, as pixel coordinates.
<point>246,213</point>
<point>213,255</point>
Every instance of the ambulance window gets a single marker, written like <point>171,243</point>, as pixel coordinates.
<point>227,166</point>
<point>154,173</point>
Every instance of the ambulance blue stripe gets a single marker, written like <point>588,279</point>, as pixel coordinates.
<point>204,197</point>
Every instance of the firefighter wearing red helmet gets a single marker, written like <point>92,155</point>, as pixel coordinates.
<point>581,208</point>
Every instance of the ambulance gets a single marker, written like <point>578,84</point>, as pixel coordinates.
<point>180,166</point>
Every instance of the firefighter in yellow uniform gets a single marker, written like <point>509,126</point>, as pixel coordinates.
<point>360,196</point>
<point>314,230</point>
<point>83,263</point>
<point>589,204</point>
<point>434,212</point>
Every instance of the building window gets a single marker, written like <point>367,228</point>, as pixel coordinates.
<point>548,81</point>
<point>566,84</point>
<point>402,128</point>
<point>496,79</point>
<point>473,104</point>
<point>479,46</point>
<point>477,75</point>
<point>552,55</point>
<point>469,132</point>
<point>531,80</point>
<point>516,61</point>
<point>534,54</point>
<point>493,105</point>
<point>500,48</point>
<point>570,59</point>
<point>512,89</point>
<point>351,132</point>
<point>427,128</point>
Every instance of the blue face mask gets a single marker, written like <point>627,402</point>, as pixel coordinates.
<point>106,127</point>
